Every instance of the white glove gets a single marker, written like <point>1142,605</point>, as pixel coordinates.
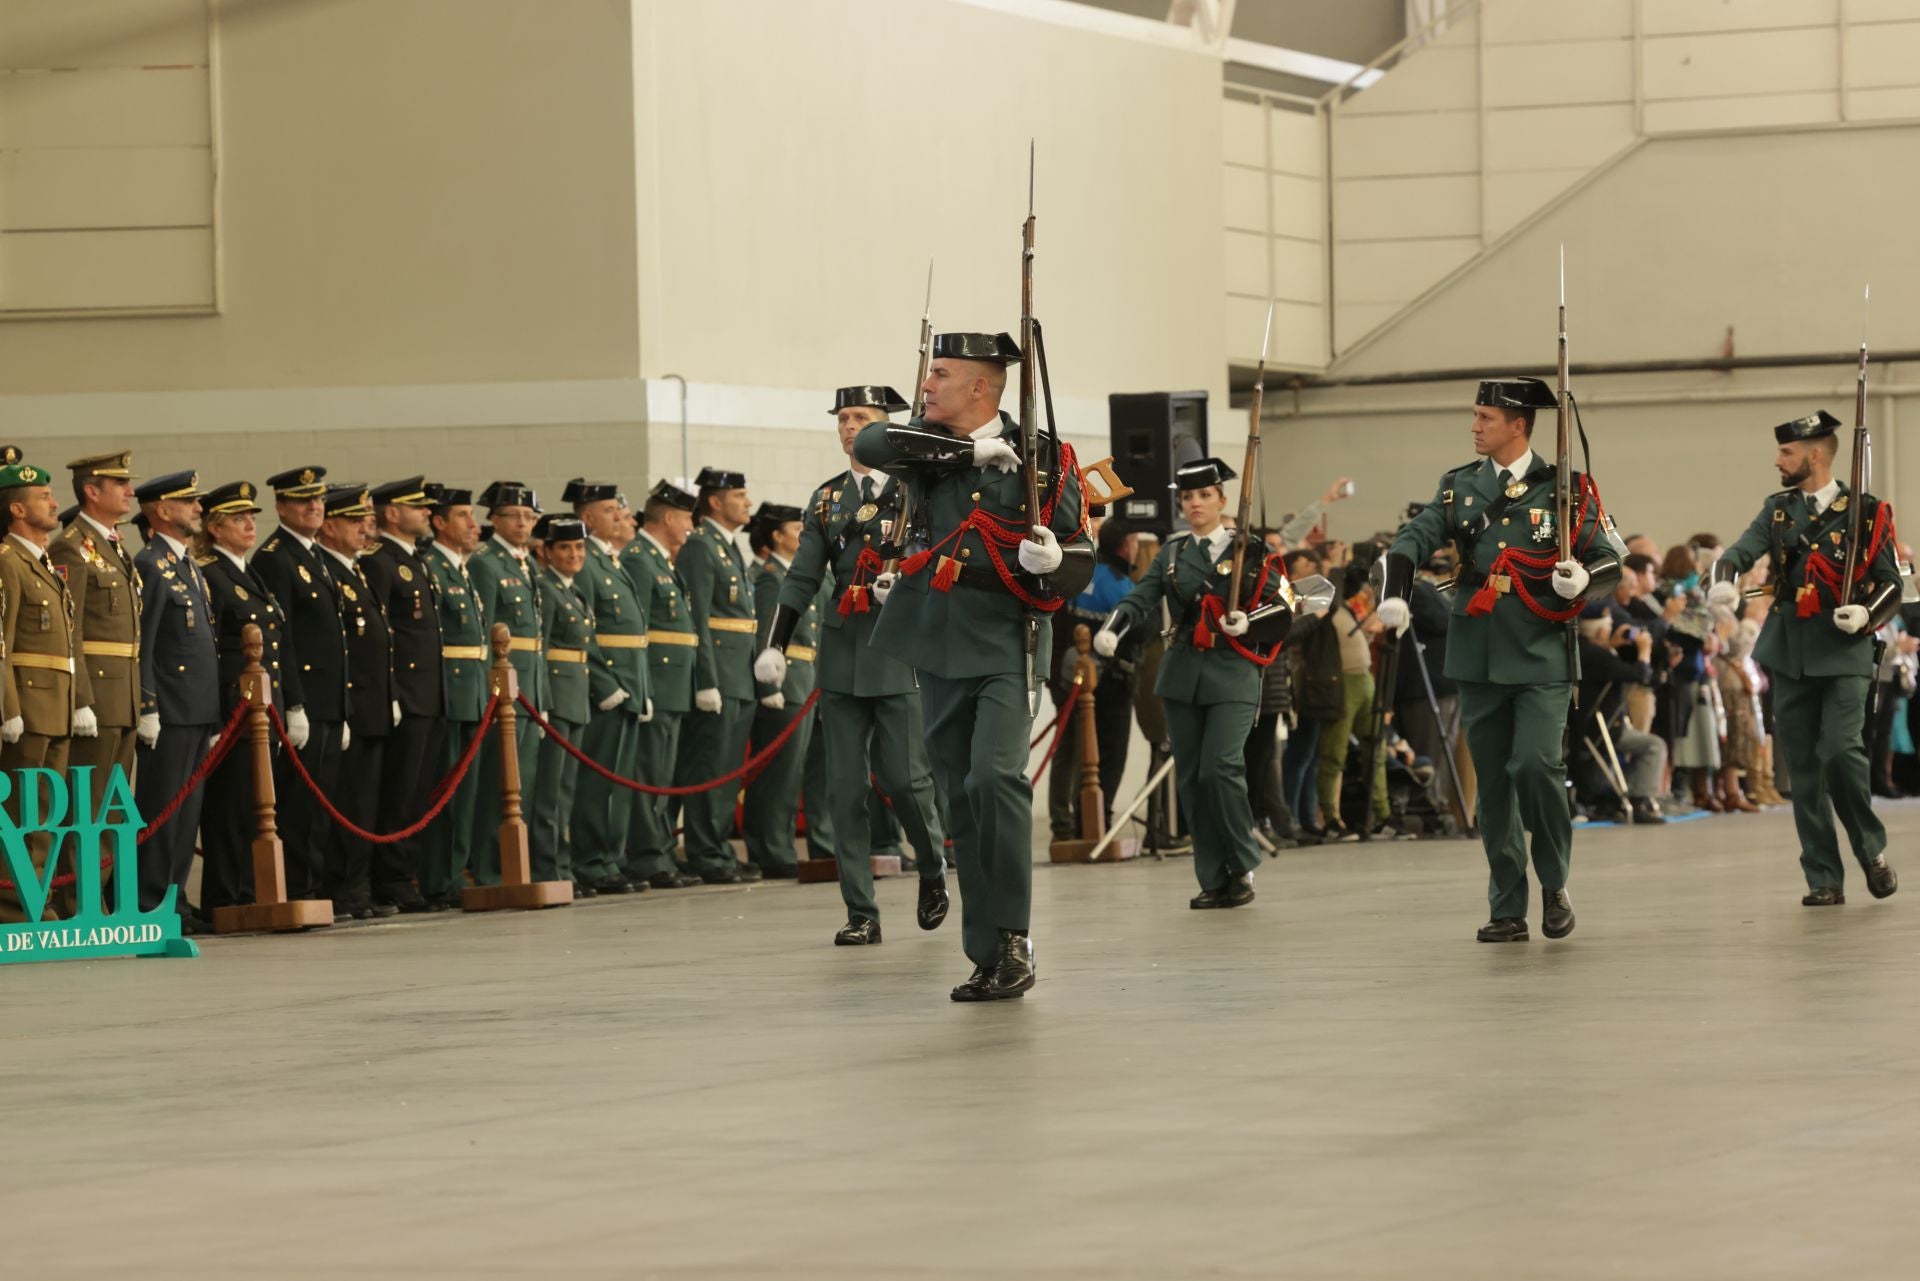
<point>396,711</point>
<point>85,723</point>
<point>1040,554</point>
<point>1393,614</point>
<point>613,700</point>
<point>12,729</point>
<point>646,715</point>
<point>883,586</point>
<point>1235,623</point>
<point>346,736</point>
<point>1850,618</point>
<point>1570,580</point>
<point>707,700</point>
<point>1105,642</point>
<point>991,451</point>
<point>148,730</point>
<point>776,700</point>
<point>297,727</point>
<point>1724,594</point>
<point>771,667</point>
<point>213,741</point>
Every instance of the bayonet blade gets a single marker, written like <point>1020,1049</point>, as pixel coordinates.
<point>1029,177</point>
<point>1266,337</point>
<point>1563,273</point>
<point>926,312</point>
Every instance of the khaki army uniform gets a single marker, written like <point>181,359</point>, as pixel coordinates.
<point>37,639</point>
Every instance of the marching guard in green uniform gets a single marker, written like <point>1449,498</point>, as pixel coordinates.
<point>967,612</point>
<point>504,584</point>
<point>1507,649</point>
<point>714,739</point>
<point>447,849</point>
<point>673,649</point>
<point>869,701</point>
<point>621,700</point>
<point>1210,678</point>
<point>1818,648</point>
<point>773,797</point>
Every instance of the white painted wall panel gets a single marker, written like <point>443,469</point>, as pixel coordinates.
<point>1753,62</point>
<point>1299,333</point>
<point>103,108</point>
<point>1560,74</point>
<point>1299,271</point>
<point>1882,10</point>
<point>1243,259</point>
<point>1401,208</point>
<point>1299,142</point>
<point>1513,197</point>
<point>1299,207</point>
<point>1438,77</point>
<point>1742,113</point>
<point>1243,198</point>
<point>1392,271</point>
<point>63,270</point>
<point>1511,21</point>
<point>1884,104</point>
<point>1242,136</point>
<point>1556,138</point>
<point>1884,54</point>
<point>1660,17</point>
<point>103,33</point>
<point>106,187</point>
<point>1379,146</point>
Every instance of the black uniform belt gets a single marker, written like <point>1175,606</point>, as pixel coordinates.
<point>985,578</point>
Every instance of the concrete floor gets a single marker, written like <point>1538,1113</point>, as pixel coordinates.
<point>1706,1081</point>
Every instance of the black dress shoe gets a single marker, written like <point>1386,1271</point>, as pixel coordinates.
<point>584,891</point>
<point>364,912</point>
<point>1823,896</point>
<point>383,910</point>
<point>1503,929</point>
<point>411,906</point>
<point>1239,891</point>
<point>749,873</point>
<point>673,880</point>
<point>443,904</point>
<point>613,885</point>
<point>1013,971</point>
<point>1881,882</point>
<point>722,876</point>
<point>781,872</point>
<point>1208,900</point>
<point>858,932</point>
<point>978,987</point>
<point>933,904</point>
<point>1556,922</point>
<point>1646,811</point>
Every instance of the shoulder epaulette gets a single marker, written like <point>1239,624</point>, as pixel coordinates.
<point>1176,537</point>
<point>205,560</point>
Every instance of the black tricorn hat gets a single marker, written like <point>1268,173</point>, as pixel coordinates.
<point>298,482</point>
<point>556,528</point>
<point>588,491</point>
<point>776,514</point>
<point>1516,393</point>
<point>994,349</point>
<point>720,478</point>
<point>444,496</point>
<point>885,399</point>
<point>672,495</point>
<point>509,493</point>
<point>1202,472</point>
<point>231,499</point>
<point>1815,425</point>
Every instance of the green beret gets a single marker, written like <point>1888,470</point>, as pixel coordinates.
<point>15,475</point>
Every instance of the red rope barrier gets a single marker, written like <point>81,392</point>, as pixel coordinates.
<point>1059,732</point>
<point>754,763</point>
<point>438,801</point>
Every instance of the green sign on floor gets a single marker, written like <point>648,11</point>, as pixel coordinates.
<point>44,801</point>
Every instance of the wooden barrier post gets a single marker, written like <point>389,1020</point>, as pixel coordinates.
<point>270,909</point>
<point>1093,802</point>
<point>517,889</point>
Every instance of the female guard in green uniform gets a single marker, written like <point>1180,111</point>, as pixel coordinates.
<point>1210,677</point>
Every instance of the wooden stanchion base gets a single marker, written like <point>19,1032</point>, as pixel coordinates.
<point>248,918</point>
<point>516,898</point>
<point>1117,851</point>
<point>818,871</point>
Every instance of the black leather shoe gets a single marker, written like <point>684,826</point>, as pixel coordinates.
<point>781,872</point>
<point>383,910</point>
<point>1881,882</point>
<point>584,891</point>
<point>1208,900</point>
<point>750,873</point>
<point>723,876</point>
<point>613,885</point>
<point>932,908</point>
<point>1824,896</point>
<point>674,880</point>
<point>1556,922</point>
<point>1013,971</point>
<point>977,988</point>
<point>858,932</point>
<point>1239,891</point>
<point>1646,811</point>
<point>443,904</point>
<point>1503,929</point>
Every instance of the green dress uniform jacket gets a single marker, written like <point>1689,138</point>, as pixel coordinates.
<point>720,596</point>
<point>840,523</point>
<point>447,847</point>
<point>572,657</point>
<point>676,666</point>
<point>1822,677</point>
<point>1512,666</point>
<point>602,810</point>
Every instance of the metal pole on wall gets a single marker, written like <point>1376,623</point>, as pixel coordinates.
<point>686,452</point>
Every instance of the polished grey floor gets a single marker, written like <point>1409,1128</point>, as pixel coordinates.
<point>1706,1081</point>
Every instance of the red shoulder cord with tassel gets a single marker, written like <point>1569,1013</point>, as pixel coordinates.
<point>1517,564</point>
<point>1213,608</point>
<point>1822,572</point>
<point>998,535</point>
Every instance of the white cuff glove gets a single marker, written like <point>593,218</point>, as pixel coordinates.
<point>213,741</point>
<point>613,700</point>
<point>707,700</point>
<point>396,711</point>
<point>1105,642</point>
<point>1570,580</point>
<point>1235,623</point>
<point>1041,553</point>
<point>776,700</point>
<point>148,730</point>
<point>883,586</point>
<point>991,451</point>
<point>346,736</point>
<point>297,727</point>
<point>1850,618</point>
<point>1393,614</point>
<point>1725,595</point>
<point>12,729</point>
<point>86,724</point>
<point>647,714</point>
<point>771,667</point>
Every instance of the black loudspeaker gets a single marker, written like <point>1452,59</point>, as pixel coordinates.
<point>1153,434</point>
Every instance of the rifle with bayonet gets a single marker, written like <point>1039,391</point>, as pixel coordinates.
<point>903,515</point>
<point>1862,471</point>
<point>1563,477</point>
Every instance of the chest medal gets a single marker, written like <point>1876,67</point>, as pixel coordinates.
<point>866,513</point>
<point>1516,489</point>
<point>1542,525</point>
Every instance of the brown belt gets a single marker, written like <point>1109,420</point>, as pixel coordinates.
<point>48,661</point>
<point>622,641</point>
<point>671,638</point>
<point>746,625</point>
<point>524,643</point>
<point>566,656</point>
<point>800,653</point>
<point>463,651</point>
<point>110,649</point>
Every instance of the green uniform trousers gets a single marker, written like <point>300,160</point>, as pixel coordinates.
<point>446,846</point>
<point>885,834</point>
<point>484,855</point>
<point>887,732</point>
<point>603,811</point>
<point>1355,721</point>
<point>813,788</point>
<point>1210,780</point>
<point>1820,719</point>
<point>977,731</point>
<point>549,834</point>
<point>1515,734</point>
<point>712,744</point>
<point>773,799</point>
<point>650,842</point>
